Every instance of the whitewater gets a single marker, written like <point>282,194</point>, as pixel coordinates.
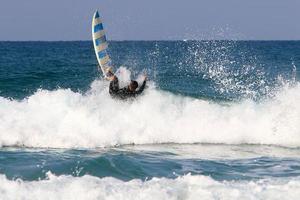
<point>66,119</point>
<point>186,187</point>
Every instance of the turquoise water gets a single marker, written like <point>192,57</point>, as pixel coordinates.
<point>219,119</point>
<point>145,162</point>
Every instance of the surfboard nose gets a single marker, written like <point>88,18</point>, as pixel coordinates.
<point>97,14</point>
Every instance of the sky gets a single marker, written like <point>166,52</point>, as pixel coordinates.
<point>52,20</point>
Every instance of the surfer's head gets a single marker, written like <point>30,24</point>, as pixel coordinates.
<point>133,85</point>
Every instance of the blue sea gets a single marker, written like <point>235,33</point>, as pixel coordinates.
<point>218,120</point>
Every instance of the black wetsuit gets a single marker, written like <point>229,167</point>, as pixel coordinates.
<point>123,93</point>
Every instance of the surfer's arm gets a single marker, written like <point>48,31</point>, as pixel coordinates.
<point>109,74</point>
<point>141,89</point>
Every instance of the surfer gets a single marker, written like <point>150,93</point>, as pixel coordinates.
<point>100,46</point>
<point>126,92</point>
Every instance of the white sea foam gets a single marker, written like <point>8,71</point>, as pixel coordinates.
<point>185,187</point>
<point>63,118</point>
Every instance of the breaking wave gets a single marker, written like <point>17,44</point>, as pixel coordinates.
<point>185,187</point>
<point>67,119</point>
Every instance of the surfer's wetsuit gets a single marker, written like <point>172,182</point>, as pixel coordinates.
<point>123,93</point>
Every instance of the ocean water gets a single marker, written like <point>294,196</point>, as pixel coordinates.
<point>218,120</point>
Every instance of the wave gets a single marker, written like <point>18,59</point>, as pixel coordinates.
<point>67,119</point>
<point>185,187</point>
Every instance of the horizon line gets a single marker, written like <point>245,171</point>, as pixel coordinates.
<point>183,40</point>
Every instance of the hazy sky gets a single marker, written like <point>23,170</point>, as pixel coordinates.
<point>151,19</point>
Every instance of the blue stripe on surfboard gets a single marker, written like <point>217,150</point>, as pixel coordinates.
<point>102,54</point>
<point>98,27</point>
<point>97,14</point>
<point>100,40</point>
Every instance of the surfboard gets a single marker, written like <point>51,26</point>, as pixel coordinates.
<point>100,44</point>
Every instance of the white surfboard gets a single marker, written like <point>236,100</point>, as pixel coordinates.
<point>100,43</point>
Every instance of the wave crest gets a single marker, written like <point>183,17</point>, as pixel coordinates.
<point>66,119</point>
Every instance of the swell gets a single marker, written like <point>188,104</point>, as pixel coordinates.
<point>216,161</point>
